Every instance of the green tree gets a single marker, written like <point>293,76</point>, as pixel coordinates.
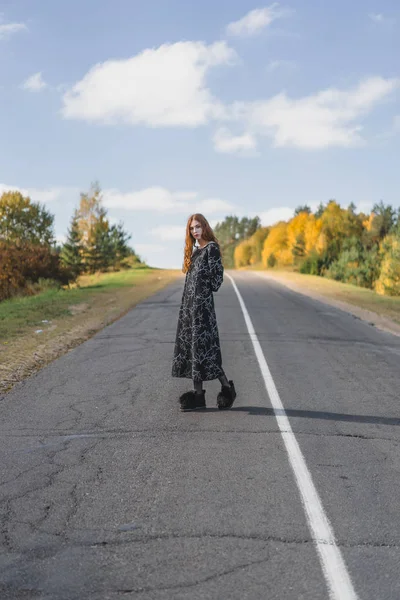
<point>119,242</point>
<point>320,211</point>
<point>301,209</point>
<point>299,249</point>
<point>247,227</point>
<point>352,208</point>
<point>94,228</point>
<point>386,218</point>
<point>231,232</point>
<point>396,225</point>
<point>355,264</point>
<point>22,220</point>
<point>338,224</point>
<point>71,252</point>
<point>103,246</point>
<point>98,254</point>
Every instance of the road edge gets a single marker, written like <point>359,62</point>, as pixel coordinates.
<point>371,317</point>
<point>45,353</point>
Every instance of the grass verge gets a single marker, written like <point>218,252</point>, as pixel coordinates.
<point>385,306</point>
<point>34,330</point>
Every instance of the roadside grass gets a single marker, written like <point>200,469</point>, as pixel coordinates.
<point>387,306</point>
<point>17,315</point>
<point>118,279</point>
<point>35,330</point>
<point>20,314</point>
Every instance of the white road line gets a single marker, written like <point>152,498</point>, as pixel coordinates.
<point>337,577</point>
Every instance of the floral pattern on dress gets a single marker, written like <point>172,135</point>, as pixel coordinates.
<point>197,352</point>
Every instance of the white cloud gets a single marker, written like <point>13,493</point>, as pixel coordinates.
<point>169,233</point>
<point>8,29</point>
<point>34,83</point>
<point>380,19</point>
<point>225,142</point>
<point>165,86</point>
<point>159,199</point>
<point>377,18</point>
<point>328,118</point>
<point>153,199</point>
<point>256,20</point>
<point>185,195</point>
<point>273,215</point>
<point>43,195</point>
<point>212,205</point>
<point>396,123</point>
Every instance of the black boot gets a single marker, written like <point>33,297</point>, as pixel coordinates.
<point>226,396</point>
<point>192,400</point>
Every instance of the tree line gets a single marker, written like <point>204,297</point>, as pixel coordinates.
<point>31,259</point>
<point>358,248</point>
<point>335,242</point>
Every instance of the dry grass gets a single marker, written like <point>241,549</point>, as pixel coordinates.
<point>385,306</point>
<point>36,330</point>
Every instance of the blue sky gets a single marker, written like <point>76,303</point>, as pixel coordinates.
<point>227,107</point>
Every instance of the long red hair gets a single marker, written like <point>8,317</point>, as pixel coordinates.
<point>207,235</point>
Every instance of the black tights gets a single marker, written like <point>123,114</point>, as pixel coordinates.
<point>198,385</point>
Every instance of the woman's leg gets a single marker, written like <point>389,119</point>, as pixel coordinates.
<point>200,394</point>
<point>223,379</point>
<point>198,386</point>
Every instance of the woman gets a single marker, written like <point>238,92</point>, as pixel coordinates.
<point>197,353</point>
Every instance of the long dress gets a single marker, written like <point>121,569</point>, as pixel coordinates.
<point>197,352</point>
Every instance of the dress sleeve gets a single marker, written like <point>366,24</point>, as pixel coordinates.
<point>215,267</point>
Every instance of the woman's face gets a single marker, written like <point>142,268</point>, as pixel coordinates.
<point>196,229</point>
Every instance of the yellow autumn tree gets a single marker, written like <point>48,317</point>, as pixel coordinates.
<point>257,242</point>
<point>378,225</point>
<point>243,254</point>
<point>276,246</point>
<point>296,236</point>
<point>314,239</point>
<point>338,224</point>
<point>90,213</point>
<point>388,283</point>
<point>249,251</point>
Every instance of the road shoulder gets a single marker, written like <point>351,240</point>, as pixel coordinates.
<point>27,352</point>
<point>373,318</point>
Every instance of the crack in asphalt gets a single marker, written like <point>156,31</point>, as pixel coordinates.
<point>154,432</point>
<point>47,480</point>
<point>182,586</point>
<point>137,538</point>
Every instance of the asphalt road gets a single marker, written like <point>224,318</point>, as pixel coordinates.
<point>108,491</point>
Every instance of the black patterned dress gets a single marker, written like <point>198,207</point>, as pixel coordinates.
<point>197,353</point>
